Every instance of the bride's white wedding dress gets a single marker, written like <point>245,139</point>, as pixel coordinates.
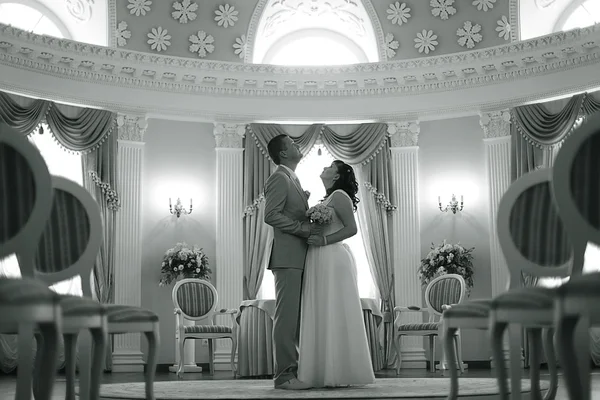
<point>334,350</point>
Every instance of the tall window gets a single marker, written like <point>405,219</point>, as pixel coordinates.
<point>308,172</point>
<point>59,162</point>
<point>29,19</point>
<point>588,13</point>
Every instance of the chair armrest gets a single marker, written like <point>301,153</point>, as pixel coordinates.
<point>232,313</point>
<point>401,309</point>
<point>177,311</point>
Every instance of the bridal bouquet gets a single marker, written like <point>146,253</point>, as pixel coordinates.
<point>447,259</point>
<point>183,261</point>
<point>320,214</point>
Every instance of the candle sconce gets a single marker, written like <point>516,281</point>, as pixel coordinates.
<point>452,206</point>
<point>179,209</point>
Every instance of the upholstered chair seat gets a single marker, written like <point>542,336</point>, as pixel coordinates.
<point>208,329</point>
<point>26,291</point>
<point>74,306</point>
<point>425,326</point>
<point>526,298</point>
<point>118,313</point>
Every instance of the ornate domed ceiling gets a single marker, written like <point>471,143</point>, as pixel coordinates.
<point>219,30</point>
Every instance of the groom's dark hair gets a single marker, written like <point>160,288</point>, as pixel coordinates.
<point>275,146</point>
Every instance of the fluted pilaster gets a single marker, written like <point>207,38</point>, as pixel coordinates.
<point>230,207</point>
<point>496,129</point>
<point>127,354</point>
<point>404,138</point>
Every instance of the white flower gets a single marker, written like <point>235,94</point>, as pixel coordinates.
<point>139,7</point>
<point>159,39</point>
<point>442,8</point>
<point>398,13</point>
<point>240,46</point>
<point>391,45</point>
<point>469,35</point>
<point>122,34</point>
<point>202,44</point>
<point>503,28</point>
<point>197,270</point>
<point>484,4</point>
<point>181,267</point>
<point>226,15</point>
<point>426,42</point>
<point>184,11</point>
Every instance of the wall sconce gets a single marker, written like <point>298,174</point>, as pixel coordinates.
<point>452,206</point>
<point>179,208</point>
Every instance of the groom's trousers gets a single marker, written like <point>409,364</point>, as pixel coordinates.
<point>286,323</point>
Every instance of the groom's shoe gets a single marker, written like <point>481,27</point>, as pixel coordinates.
<point>293,384</point>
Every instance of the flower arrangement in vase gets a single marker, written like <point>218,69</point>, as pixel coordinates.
<point>447,259</point>
<point>185,262</point>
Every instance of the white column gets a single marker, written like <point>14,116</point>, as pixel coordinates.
<point>230,229</point>
<point>406,232</point>
<point>496,130</point>
<point>127,354</point>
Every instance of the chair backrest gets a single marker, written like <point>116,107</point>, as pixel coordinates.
<point>446,289</point>
<point>576,187</point>
<point>72,237</point>
<point>531,233</point>
<point>25,193</point>
<point>196,298</point>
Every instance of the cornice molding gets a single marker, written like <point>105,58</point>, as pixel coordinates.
<point>173,87</point>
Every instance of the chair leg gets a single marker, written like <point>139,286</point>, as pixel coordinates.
<point>180,369</point>
<point>70,364</point>
<point>25,370</point>
<point>84,345</point>
<point>211,356</point>
<point>432,351</point>
<point>515,332</point>
<point>153,346</point>
<point>100,337</point>
<point>397,343</point>
<point>565,344</point>
<point>547,340</point>
<point>46,361</point>
<point>582,349</point>
<point>449,349</point>
<point>459,358</point>
<point>233,352</point>
<point>497,330</point>
<point>535,339</point>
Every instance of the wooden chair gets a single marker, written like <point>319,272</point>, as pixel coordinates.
<point>444,290</point>
<point>534,242</point>
<point>26,306</point>
<point>196,300</point>
<point>576,188</point>
<point>68,248</point>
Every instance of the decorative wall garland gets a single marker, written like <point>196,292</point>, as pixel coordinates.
<point>380,198</point>
<point>249,210</point>
<point>111,195</point>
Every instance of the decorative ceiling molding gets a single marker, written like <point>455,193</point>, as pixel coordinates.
<point>173,87</point>
<point>513,19</point>
<point>81,10</point>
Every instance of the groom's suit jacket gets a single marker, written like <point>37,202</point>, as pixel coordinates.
<point>285,210</point>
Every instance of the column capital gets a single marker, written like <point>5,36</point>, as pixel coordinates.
<point>131,127</point>
<point>228,135</point>
<point>495,124</point>
<point>404,134</point>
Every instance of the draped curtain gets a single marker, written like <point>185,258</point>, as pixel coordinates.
<point>367,150</point>
<point>537,134</point>
<point>88,132</point>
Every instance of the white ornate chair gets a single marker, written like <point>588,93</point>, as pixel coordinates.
<point>442,291</point>
<point>196,300</point>
<point>534,242</point>
<point>576,187</point>
<point>25,304</point>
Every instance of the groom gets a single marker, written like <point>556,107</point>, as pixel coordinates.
<point>285,210</point>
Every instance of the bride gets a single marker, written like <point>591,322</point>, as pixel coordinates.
<point>333,343</point>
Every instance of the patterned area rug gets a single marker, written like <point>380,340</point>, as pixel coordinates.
<point>389,388</point>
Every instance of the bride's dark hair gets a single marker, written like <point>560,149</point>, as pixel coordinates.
<point>347,182</point>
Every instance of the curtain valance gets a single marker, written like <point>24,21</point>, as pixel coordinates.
<point>76,129</point>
